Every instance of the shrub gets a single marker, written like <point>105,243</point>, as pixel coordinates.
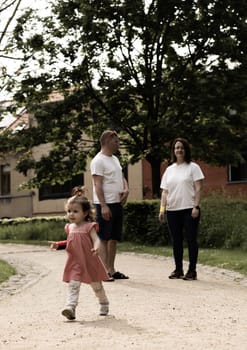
<point>223,224</point>
<point>38,228</point>
<point>141,223</point>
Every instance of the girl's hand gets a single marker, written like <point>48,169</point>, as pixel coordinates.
<point>95,251</point>
<point>53,245</point>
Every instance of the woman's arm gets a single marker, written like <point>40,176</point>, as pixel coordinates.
<point>163,205</point>
<point>198,190</point>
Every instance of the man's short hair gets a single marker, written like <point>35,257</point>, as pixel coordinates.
<point>106,135</point>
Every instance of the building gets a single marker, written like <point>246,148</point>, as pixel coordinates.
<point>50,200</point>
<point>228,179</point>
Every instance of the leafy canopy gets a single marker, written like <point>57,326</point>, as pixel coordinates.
<point>152,70</point>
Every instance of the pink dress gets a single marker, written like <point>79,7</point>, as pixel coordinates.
<point>81,264</point>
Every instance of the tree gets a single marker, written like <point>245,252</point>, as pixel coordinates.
<point>152,70</point>
<point>8,13</point>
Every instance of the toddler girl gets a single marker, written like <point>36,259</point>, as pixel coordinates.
<point>83,263</point>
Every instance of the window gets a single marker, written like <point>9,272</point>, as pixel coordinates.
<point>5,179</point>
<point>60,191</point>
<point>237,173</point>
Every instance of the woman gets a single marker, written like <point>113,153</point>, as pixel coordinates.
<point>181,186</point>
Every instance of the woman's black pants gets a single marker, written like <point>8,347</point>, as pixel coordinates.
<point>180,223</point>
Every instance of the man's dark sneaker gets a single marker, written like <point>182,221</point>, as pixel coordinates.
<point>190,276</point>
<point>176,274</point>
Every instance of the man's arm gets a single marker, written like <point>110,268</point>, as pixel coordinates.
<point>125,193</point>
<point>98,184</point>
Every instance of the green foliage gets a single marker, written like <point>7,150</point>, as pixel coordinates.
<point>141,223</point>
<point>223,225</point>
<point>146,69</point>
<point>8,11</point>
<point>38,228</point>
<point>223,222</point>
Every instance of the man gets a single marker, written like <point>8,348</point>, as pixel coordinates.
<point>110,192</point>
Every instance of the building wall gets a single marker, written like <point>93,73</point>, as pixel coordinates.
<point>56,206</point>
<point>18,203</point>
<point>216,180</point>
<point>26,203</point>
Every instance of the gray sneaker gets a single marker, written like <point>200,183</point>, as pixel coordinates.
<point>69,313</point>
<point>104,309</point>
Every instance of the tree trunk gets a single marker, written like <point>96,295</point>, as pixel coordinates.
<point>156,176</point>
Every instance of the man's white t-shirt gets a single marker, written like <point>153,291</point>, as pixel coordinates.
<point>178,180</point>
<point>110,169</point>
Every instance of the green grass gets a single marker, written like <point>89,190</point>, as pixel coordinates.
<point>6,271</point>
<point>230,259</point>
<point>235,260</point>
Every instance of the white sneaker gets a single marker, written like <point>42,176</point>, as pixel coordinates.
<point>104,309</point>
<point>69,313</point>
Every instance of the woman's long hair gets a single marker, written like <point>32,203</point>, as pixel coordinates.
<point>187,150</point>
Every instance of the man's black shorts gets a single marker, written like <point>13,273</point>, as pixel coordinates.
<point>111,229</point>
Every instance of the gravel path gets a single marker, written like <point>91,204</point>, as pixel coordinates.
<point>147,312</point>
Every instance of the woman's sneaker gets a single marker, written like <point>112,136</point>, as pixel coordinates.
<point>69,313</point>
<point>104,309</point>
<point>176,274</point>
<point>190,276</point>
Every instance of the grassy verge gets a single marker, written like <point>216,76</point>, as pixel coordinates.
<point>6,271</point>
<point>230,259</point>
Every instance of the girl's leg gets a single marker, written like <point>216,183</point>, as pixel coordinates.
<point>100,294</point>
<point>72,299</point>
<point>175,226</point>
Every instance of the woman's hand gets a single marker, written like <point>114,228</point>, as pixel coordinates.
<point>195,212</point>
<point>124,196</point>
<point>161,217</point>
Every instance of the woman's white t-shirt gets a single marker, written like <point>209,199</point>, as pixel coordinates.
<point>178,180</point>
<point>110,169</point>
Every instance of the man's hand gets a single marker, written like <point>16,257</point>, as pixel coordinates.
<point>106,212</point>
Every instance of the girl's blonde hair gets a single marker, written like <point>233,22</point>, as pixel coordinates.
<point>85,205</point>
